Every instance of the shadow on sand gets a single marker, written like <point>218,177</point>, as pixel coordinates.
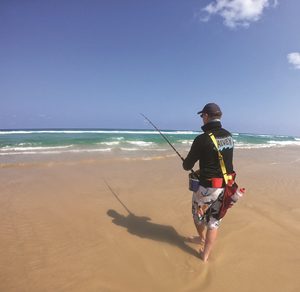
<point>140,226</point>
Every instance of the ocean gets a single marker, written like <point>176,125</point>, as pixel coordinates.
<point>117,141</point>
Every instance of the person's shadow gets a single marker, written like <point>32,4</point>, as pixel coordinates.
<point>140,226</point>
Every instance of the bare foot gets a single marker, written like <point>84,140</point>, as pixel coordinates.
<point>202,257</point>
<point>196,239</point>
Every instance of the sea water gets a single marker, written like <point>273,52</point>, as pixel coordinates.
<point>28,143</point>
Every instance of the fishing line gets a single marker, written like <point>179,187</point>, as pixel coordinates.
<point>193,172</point>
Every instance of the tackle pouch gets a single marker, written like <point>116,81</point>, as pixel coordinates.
<point>227,201</point>
<point>194,183</point>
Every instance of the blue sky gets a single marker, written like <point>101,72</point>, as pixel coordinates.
<point>98,64</point>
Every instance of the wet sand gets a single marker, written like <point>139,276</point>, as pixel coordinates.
<point>119,225</point>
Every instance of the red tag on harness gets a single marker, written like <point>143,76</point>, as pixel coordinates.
<point>217,182</point>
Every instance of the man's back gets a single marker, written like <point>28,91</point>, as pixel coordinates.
<point>204,150</point>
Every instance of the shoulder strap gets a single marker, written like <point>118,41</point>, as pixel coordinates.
<point>221,160</point>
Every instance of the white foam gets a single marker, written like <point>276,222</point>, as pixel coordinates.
<point>90,150</point>
<point>268,144</point>
<point>284,143</point>
<point>280,136</point>
<point>9,148</point>
<point>54,151</point>
<point>30,152</point>
<point>97,132</point>
<point>189,142</point>
<point>109,143</point>
<point>181,132</point>
<point>152,149</point>
<point>52,132</point>
<point>258,135</point>
<point>15,132</point>
<point>140,143</point>
<point>251,146</point>
<point>129,149</point>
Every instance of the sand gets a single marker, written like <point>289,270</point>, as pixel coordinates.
<point>119,225</point>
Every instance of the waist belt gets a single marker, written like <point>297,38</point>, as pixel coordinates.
<point>207,183</point>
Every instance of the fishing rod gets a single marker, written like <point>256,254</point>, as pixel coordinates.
<point>163,137</point>
<point>193,172</point>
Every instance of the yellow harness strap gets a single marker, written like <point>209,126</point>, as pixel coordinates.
<point>221,160</point>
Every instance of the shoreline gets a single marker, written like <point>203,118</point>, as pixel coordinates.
<point>76,157</point>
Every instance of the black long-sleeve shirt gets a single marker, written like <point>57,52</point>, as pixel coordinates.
<point>204,151</point>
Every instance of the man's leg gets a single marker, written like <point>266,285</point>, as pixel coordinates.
<point>198,213</point>
<point>200,239</point>
<point>211,236</point>
<point>201,231</point>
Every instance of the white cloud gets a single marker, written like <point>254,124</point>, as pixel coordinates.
<point>294,59</point>
<point>239,12</point>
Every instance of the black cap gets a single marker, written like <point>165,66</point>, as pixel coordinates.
<point>211,109</point>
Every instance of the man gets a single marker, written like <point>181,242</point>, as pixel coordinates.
<point>205,204</point>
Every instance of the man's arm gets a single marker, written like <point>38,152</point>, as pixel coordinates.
<point>193,156</point>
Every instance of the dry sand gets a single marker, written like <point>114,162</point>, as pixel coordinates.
<point>63,229</point>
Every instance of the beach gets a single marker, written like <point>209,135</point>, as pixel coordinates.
<point>113,223</point>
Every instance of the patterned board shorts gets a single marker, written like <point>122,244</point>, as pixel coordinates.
<point>207,199</point>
